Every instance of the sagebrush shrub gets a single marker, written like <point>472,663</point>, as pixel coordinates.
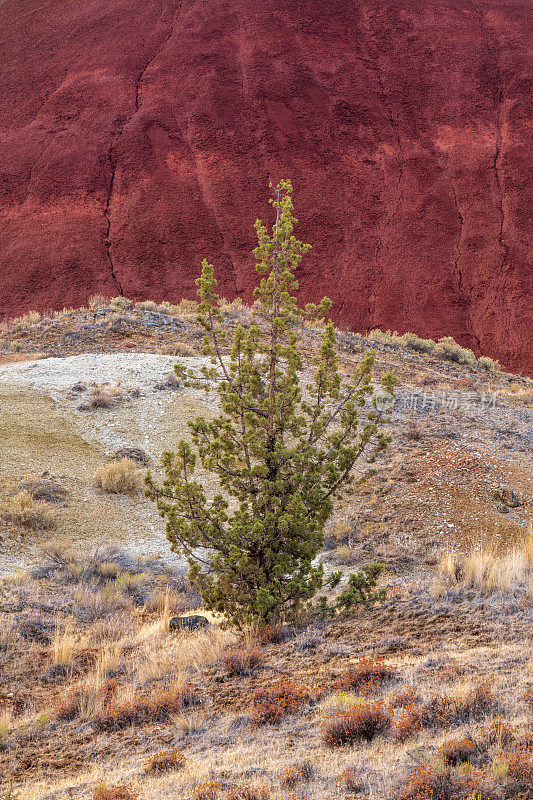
<point>119,477</point>
<point>489,363</point>
<point>448,348</point>
<point>479,703</point>
<point>362,723</point>
<point>499,732</point>
<point>69,708</point>
<point>415,342</point>
<point>273,703</point>
<point>290,778</point>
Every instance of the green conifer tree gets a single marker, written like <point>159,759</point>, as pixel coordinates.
<point>282,450</point>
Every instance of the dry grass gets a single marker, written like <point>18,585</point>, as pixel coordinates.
<point>119,477</point>
<point>522,393</point>
<point>65,642</point>
<point>21,323</point>
<point>177,349</point>
<point>23,511</point>
<point>487,568</point>
<point>98,301</point>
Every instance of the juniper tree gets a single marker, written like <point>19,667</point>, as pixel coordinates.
<point>282,448</point>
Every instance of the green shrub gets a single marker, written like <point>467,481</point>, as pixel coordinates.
<point>448,348</point>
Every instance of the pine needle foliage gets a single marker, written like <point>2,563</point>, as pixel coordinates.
<point>282,449</point>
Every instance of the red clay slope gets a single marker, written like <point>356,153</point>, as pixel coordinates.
<point>138,137</point>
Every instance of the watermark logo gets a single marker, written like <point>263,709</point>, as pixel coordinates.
<point>384,400</point>
<point>451,401</point>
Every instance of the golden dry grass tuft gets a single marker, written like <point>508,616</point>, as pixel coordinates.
<point>488,568</point>
<point>23,511</point>
<point>119,477</point>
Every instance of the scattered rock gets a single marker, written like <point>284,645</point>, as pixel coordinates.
<point>191,623</point>
<point>502,508</point>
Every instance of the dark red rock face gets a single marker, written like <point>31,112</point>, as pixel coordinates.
<point>139,137</point>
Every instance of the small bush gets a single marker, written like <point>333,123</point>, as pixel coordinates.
<point>272,634</point>
<point>274,703</point>
<point>443,783</point>
<point>100,397</point>
<point>406,698</point>
<point>69,708</point>
<point>144,710</point>
<point>448,348</point>
<point>489,363</point>
<point>177,349</point>
<point>136,454</point>
<point>122,303</point>
<point>187,308</point>
<point>351,780</point>
<point>458,750</point>
<point>242,662</point>
<point>384,337</point>
<point>368,676</point>
<point>25,512</point>
<point>476,705</point>
<point>519,769</point>
<point>408,723</point>
<point>147,305</point>
<point>244,792</point>
<point>362,723</point>
<point>165,761</point>
<point>207,790</point>
<point>290,778</point>
<point>119,477</point>
<point>114,793</point>
<point>414,342</point>
<point>498,732</point>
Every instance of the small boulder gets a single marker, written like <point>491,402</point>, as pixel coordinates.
<point>191,623</point>
<point>506,497</point>
<point>44,489</point>
<point>135,453</point>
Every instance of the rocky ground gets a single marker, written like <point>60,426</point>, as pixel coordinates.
<point>89,626</point>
